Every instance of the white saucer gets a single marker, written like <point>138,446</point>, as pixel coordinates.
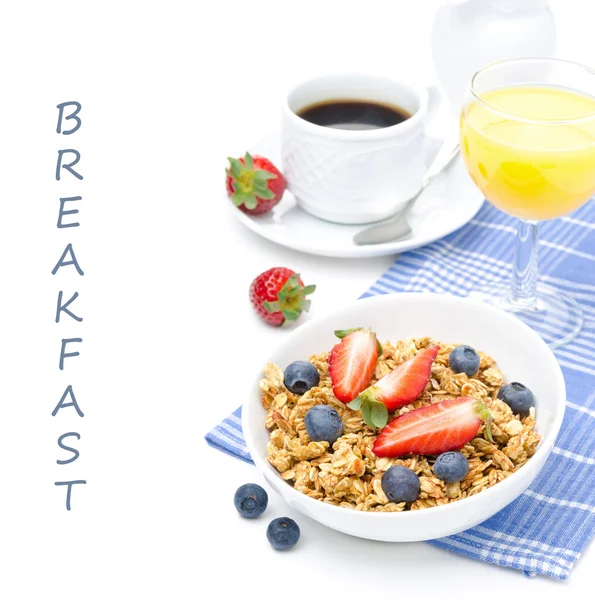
<point>448,203</point>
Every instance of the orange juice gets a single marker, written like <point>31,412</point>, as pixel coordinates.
<point>539,168</point>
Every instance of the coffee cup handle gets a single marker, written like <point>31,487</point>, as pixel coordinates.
<point>434,101</point>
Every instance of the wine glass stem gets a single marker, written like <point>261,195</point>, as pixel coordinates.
<point>524,274</point>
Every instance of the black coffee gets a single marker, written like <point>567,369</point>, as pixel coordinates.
<point>353,114</point>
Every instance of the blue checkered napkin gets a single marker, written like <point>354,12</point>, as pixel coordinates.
<point>545,530</point>
<point>228,436</point>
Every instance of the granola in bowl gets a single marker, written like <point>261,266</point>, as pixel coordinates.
<point>349,473</point>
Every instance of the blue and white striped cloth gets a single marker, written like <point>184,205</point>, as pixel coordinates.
<point>545,530</point>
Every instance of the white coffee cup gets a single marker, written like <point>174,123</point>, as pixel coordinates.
<point>348,176</point>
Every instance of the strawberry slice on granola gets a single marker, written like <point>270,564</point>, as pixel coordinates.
<point>352,362</point>
<point>433,429</point>
<point>401,386</point>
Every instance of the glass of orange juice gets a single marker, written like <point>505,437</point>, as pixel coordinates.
<point>528,142</point>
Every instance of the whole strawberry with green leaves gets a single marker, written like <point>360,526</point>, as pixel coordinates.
<point>279,296</point>
<point>254,184</point>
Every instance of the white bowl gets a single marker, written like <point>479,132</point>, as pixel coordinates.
<point>521,354</point>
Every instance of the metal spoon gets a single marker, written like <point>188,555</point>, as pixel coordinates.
<point>397,227</point>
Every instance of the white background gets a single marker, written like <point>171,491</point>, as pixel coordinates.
<point>171,345</point>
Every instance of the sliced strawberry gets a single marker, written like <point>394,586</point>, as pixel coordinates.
<point>401,386</point>
<point>433,429</point>
<point>352,362</point>
<point>407,382</point>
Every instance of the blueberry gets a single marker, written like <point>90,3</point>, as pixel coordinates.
<point>283,533</point>
<point>300,376</point>
<point>464,359</point>
<point>451,467</point>
<point>400,484</point>
<point>250,500</point>
<point>518,397</point>
<point>323,424</point>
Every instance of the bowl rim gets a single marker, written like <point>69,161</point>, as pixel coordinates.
<point>543,451</point>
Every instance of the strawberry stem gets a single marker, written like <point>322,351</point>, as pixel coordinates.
<point>272,307</point>
<point>379,414</point>
<point>249,184</point>
<point>489,427</point>
<point>380,348</point>
<point>291,301</point>
<point>484,413</point>
<point>374,413</point>
<point>356,403</point>
<point>248,161</point>
<point>341,333</point>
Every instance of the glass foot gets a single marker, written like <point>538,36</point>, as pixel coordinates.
<point>554,315</point>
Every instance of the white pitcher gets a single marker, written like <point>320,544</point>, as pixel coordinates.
<point>468,34</point>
